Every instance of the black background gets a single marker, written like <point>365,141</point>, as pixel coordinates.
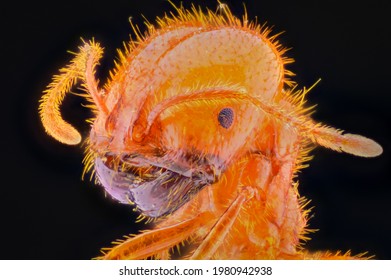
<point>47,212</point>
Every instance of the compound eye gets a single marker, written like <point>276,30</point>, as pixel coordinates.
<point>226,117</point>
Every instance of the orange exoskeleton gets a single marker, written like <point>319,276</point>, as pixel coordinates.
<point>201,129</point>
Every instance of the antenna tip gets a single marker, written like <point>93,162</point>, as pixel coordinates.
<point>360,146</point>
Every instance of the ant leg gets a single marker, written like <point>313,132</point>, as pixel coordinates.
<point>158,240</point>
<point>326,255</point>
<point>218,232</point>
